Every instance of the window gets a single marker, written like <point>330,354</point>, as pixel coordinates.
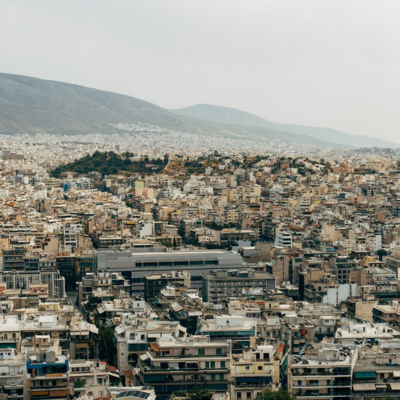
<point>207,364</point>
<point>221,377</point>
<point>260,367</point>
<point>200,352</point>
<point>247,368</point>
<point>222,364</point>
<point>213,377</point>
<point>248,395</point>
<point>218,351</point>
<point>212,364</point>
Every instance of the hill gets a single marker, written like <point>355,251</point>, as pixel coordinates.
<point>32,105</point>
<point>227,115</point>
<point>110,163</point>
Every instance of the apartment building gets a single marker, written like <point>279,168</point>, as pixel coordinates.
<point>47,368</point>
<point>283,239</point>
<point>186,364</point>
<point>258,369</point>
<point>17,280</point>
<point>323,371</point>
<point>90,378</point>
<point>376,373</point>
<point>113,283</point>
<point>360,332</point>
<point>220,285</point>
<point>238,329</point>
<point>13,374</point>
<point>136,331</point>
<point>153,283</point>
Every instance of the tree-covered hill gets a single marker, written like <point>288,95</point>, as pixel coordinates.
<point>108,163</point>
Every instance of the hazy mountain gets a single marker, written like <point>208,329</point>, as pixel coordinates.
<point>35,105</point>
<point>227,115</point>
<point>32,105</point>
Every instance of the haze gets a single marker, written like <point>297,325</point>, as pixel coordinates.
<point>320,63</point>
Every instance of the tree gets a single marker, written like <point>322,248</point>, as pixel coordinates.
<point>106,345</point>
<point>204,394</point>
<point>271,395</point>
<point>381,253</point>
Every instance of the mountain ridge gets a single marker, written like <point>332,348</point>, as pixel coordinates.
<point>223,114</point>
<point>34,105</point>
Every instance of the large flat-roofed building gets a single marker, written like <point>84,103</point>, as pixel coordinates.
<point>135,266</point>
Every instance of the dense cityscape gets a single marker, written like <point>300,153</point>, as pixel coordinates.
<point>199,200</point>
<point>131,270</point>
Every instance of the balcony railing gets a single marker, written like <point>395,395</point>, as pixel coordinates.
<point>323,385</point>
<point>226,355</point>
<point>152,369</point>
<point>252,385</point>
<point>321,373</point>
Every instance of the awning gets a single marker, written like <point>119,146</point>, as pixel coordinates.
<point>176,307</point>
<point>364,387</point>
<point>396,373</point>
<point>154,346</point>
<point>395,385</point>
<point>365,375</point>
<point>255,379</point>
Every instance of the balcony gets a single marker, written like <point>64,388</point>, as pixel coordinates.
<point>12,396</point>
<point>13,386</point>
<point>253,385</point>
<point>321,373</point>
<point>43,393</point>
<point>146,369</point>
<point>315,393</point>
<point>332,384</point>
<point>202,356</point>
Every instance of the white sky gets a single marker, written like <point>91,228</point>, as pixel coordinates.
<point>329,63</point>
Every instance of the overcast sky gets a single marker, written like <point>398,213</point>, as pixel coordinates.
<point>332,63</point>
